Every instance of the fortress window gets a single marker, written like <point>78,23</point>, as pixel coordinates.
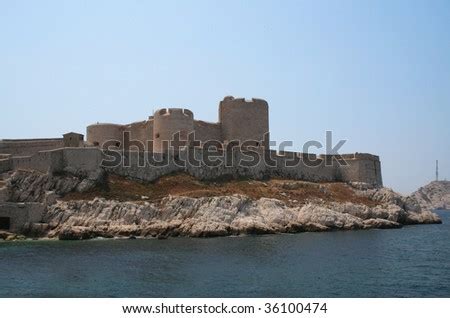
<point>117,144</point>
<point>157,135</point>
<point>257,144</point>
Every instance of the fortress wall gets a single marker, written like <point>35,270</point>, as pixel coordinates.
<point>314,170</point>
<point>78,159</point>
<point>5,165</point>
<point>133,167</point>
<point>28,147</point>
<point>361,156</point>
<point>149,133</point>
<point>203,172</point>
<point>231,170</point>
<point>98,134</point>
<point>21,213</point>
<point>244,120</point>
<point>169,121</point>
<point>205,131</point>
<point>23,163</point>
<point>366,170</point>
<point>370,171</point>
<point>82,159</point>
<point>378,175</point>
<point>147,173</point>
<point>43,161</point>
<point>142,131</point>
<point>349,173</point>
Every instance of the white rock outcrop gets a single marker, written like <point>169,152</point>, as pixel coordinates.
<point>218,216</point>
<point>435,195</point>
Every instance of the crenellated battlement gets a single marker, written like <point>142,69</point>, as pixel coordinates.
<point>174,112</point>
<point>230,100</point>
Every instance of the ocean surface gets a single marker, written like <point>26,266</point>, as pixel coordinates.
<point>410,262</point>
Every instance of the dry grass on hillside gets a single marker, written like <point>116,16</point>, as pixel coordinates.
<point>289,191</point>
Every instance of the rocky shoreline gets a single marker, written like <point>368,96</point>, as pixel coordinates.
<point>194,215</point>
<point>216,216</point>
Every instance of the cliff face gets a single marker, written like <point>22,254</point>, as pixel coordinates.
<point>220,216</point>
<point>179,205</point>
<point>435,195</point>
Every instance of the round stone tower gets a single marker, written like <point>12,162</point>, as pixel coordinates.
<point>98,134</point>
<point>244,120</point>
<point>169,121</point>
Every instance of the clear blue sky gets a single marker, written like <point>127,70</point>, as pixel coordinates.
<point>376,73</point>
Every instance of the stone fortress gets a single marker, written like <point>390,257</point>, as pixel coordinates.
<point>239,120</point>
<point>244,121</point>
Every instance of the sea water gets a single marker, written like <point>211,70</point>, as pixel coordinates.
<point>410,262</point>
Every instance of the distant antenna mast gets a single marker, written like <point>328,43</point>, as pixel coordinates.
<point>437,170</point>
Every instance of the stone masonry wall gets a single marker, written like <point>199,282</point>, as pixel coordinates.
<point>205,131</point>
<point>27,147</point>
<point>5,165</point>
<point>98,134</point>
<point>168,122</point>
<point>360,168</point>
<point>357,170</point>
<point>79,159</point>
<point>44,161</point>
<point>244,120</point>
<point>141,131</point>
<point>21,214</point>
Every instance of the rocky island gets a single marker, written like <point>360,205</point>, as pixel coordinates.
<point>173,175</point>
